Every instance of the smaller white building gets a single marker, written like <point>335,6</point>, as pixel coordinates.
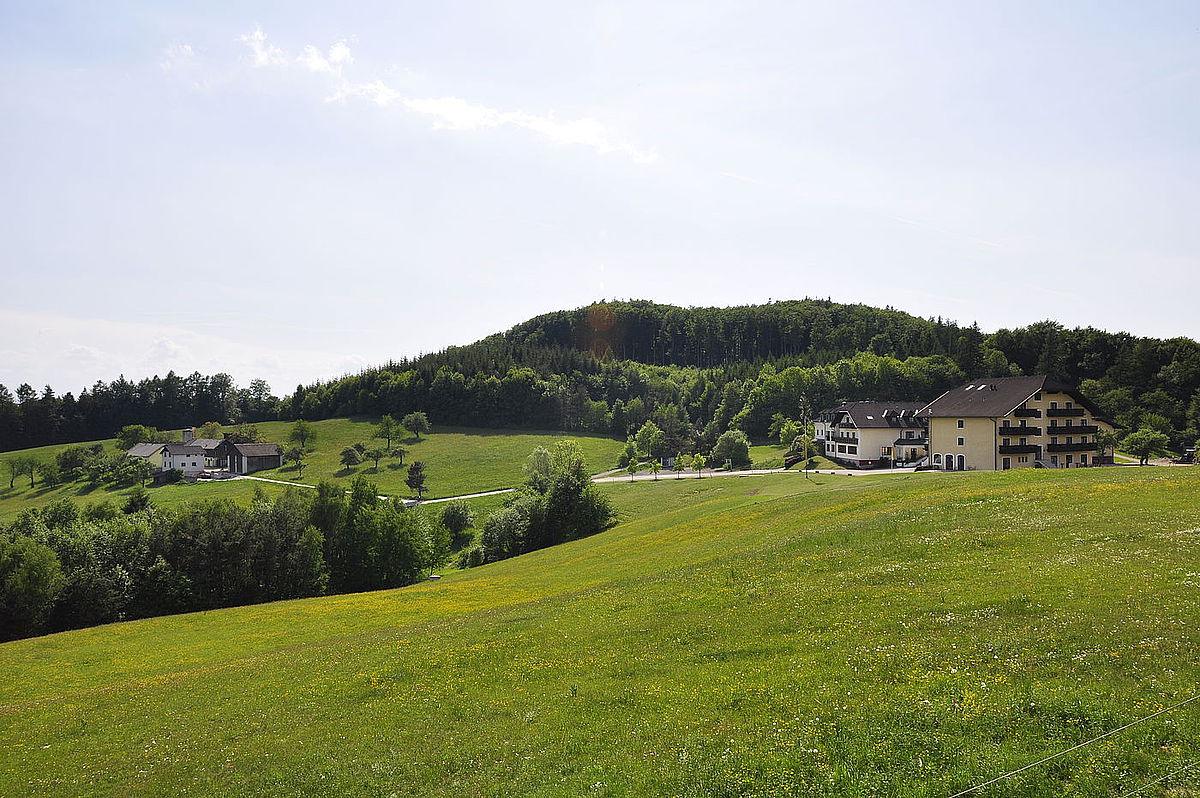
<point>183,456</point>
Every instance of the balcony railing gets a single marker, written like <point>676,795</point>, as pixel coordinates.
<point>1071,447</point>
<point>922,441</point>
<point>1018,432</point>
<point>1027,412</point>
<point>1019,449</point>
<point>840,438</point>
<point>1058,412</point>
<point>1079,429</point>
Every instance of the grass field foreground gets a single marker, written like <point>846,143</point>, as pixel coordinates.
<point>909,635</point>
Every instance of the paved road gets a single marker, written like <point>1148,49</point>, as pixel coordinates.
<point>639,477</point>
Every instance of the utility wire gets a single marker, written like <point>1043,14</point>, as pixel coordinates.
<point>1188,766</point>
<point>1065,751</point>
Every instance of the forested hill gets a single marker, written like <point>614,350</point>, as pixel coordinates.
<point>609,367</point>
<point>656,334</point>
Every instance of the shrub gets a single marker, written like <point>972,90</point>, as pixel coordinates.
<point>733,446</point>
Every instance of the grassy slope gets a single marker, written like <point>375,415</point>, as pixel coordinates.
<point>865,635</point>
<point>458,460</point>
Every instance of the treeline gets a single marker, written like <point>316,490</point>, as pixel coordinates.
<point>67,566</point>
<point>29,418</point>
<point>610,367</point>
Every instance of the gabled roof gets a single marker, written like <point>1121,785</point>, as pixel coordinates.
<point>991,397</point>
<point>145,449</point>
<point>185,449</point>
<point>875,415</point>
<point>258,449</point>
<point>207,444</point>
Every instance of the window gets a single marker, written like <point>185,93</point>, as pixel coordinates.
<point>1037,397</point>
<point>1023,423</point>
<point>1070,439</point>
<point>1069,405</point>
<point>1054,441</point>
<point>1007,442</point>
<point>1024,442</point>
<point>960,423</point>
<point>937,459</point>
<point>1083,459</point>
<point>1054,405</point>
<point>851,450</point>
<point>1053,459</point>
<point>960,442</point>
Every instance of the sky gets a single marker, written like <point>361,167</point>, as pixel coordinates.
<point>298,190</point>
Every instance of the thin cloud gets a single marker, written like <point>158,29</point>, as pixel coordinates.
<point>177,56</point>
<point>265,54</point>
<point>447,113</point>
<point>330,62</point>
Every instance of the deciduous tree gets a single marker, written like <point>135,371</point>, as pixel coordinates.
<point>387,429</point>
<point>1145,443</point>
<point>417,423</point>
<point>377,453</point>
<point>349,457</point>
<point>303,435</point>
<point>296,455</point>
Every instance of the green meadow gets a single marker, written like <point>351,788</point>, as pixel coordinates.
<point>866,635</point>
<point>458,460</point>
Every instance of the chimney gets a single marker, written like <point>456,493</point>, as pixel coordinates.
<point>189,435</point>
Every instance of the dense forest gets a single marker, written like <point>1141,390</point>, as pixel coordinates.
<point>696,372</point>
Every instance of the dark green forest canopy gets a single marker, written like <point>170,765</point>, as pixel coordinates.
<point>609,367</point>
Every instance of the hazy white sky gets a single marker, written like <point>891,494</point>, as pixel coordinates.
<point>292,190</point>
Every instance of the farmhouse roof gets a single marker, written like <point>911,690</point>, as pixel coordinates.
<point>991,397</point>
<point>258,449</point>
<point>876,415</point>
<point>145,449</point>
<point>207,444</point>
<point>183,449</point>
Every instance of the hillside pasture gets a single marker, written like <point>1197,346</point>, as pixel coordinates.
<point>458,460</point>
<point>907,635</point>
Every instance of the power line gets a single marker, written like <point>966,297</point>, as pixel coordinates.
<point>1162,778</point>
<point>1065,751</point>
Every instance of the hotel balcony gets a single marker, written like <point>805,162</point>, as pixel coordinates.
<point>840,438</point>
<point>1081,429</point>
<point>1019,449</point>
<point>1018,432</point>
<point>1027,412</point>
<point>1071,447</point>
<point>921,441</point>
<point>1058,412</point>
